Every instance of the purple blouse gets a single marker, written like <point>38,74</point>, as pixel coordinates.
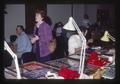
<point>45,35</point>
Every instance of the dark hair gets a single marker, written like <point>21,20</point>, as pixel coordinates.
<point>58,24</point>
<point>73,32</point>
<point>41,12</point>
<point>21,27</point>
<point>48,20</point>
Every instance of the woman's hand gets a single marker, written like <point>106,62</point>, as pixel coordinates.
<point>34,39</point>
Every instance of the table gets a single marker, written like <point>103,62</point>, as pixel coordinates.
<point>31,70</point>
<point>35,70</point>
<point>88,69</point>
<point>66,62</point>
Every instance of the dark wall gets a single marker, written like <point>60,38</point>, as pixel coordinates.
<point>30,8</point>
<point>2,12</point>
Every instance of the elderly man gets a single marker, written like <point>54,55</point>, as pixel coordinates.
<point>75,41</point>
<point>22,43</point>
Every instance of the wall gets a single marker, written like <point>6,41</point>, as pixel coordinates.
<point>78,12</point>
<point>110,8</point>
<point>15,16</point>
<point>91,10</point>
<point>59,12</point>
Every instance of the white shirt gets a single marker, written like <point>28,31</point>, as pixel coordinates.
<point>74,42</point>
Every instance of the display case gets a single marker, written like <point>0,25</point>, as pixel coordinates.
<point>66,62</point>
<point>31,70</point>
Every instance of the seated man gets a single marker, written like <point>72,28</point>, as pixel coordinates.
<point>74,44</point>
<point>22,43</point>
<point>75,40</point>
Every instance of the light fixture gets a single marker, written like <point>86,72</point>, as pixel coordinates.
<point>106,37</point>
<point>14,56</point>
<point>71,25</point>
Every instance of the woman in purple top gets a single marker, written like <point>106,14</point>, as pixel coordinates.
<point>42,36</point>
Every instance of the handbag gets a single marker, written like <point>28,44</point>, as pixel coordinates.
<point>52,45</point>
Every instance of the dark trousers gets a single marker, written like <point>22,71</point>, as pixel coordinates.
<point>44,58</point>
<point>60,47</point>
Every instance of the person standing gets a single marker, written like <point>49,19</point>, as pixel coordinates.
<point>86,22</point>
<point>57,33</point>
<point>42,36</point>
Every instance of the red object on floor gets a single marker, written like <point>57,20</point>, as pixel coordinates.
<point>68,73</point>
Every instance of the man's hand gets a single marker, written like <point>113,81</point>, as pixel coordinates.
<point>36,37</point>
<point>33,40</point>
<point>13,47</point>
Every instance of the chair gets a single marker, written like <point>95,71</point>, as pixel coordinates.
<point>13,38</point>
<point>28,57</point>
<point>7,59</point>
